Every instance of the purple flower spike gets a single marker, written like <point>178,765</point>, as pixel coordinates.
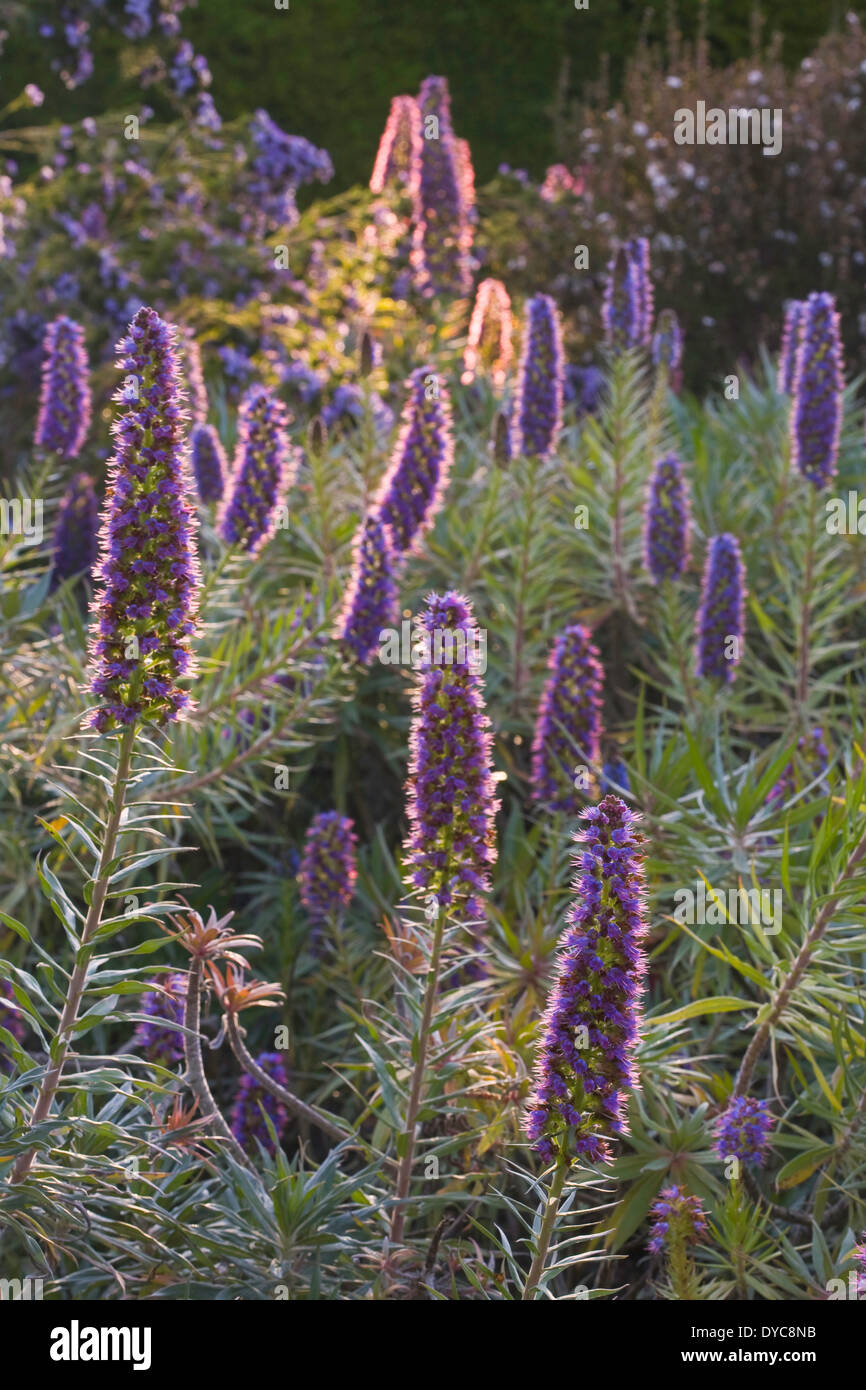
<point>488,345</point>
<point>667,346</point>
<point>678,1220</point>
<point>371,596</point>
<point>145,612</point>
<point>440,236</point>
<point>568,727</point>
<point>666,521</point>
<point>398,160</point>
<point>538,404</point>
<point>64,404</point>
<point>451,801</point>
<point>158,1041</point>
<point>720,627</point>
<point>328,870</point>
<point>190,361</point>
<point>743,1131</point>
<point>819,380</point>
<point>73,545</point>
<point>790,343</point>
<point>208,462</point>
<point>585,1060</point>
<point>627,309</point>
<point>265,467</point>
<point>248,1123</point>
<point>411,492</point>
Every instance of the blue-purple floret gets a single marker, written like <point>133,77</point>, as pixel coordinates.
<point>248,1122</point>
<point>265,466</point>
<point>678,1218</point>
<point>64,403</point>
<point>209,464</point>
<point>568,726</point>
<point>721,616</point>
<point>537,415</point>
<point>666,521</point>
<point>328,868</point>
<point>818,384</point>
<point>411,492</point>
<point>585,1067</point>
<point>371,594</point>
<point>74,543</point>
<point>743,1131</point>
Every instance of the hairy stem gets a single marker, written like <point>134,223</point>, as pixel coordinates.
<point>195,1075</point>
<point>545,1234</point>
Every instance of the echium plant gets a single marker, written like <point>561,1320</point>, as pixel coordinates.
<point>208,462</point>
<point>537,417</point>
<point>627,307</point>
<point>191,368</point>
<point>412,489</point>
<point>73,544</point>
<point>585,1067</point>
<point>817,387</point>
<point>264,468</point>
<point>440,232</point>
<point>488,350</point>
<point>720,628</point>
<point>253,1103</point>
<point>568,725</point>
<point>790,343</point>
<point>398,159</point>
<point>742,1131</point>
<point>679,1223</point>
<point>666,521</point>
<point>64,404</point>
<point>667,346</point>
<point>370,602</point>
<point>328,868</point>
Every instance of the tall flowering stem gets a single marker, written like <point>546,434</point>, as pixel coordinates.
<point>412,490</point>
<point>568,725</point>
<point>538,405</point>
<point>790,343</point>
<point>817,387</point>
<point>190,359</point>
<point>398,160</point>
<point>265,466</point>
<point>488,344</point>
<point>440,236</point>
<point>667,347</point>
<point>666,521</point>
<point>208,462</point>
<point>679,1223</point>
<point>370,603</point>
<point>721,617</point>
<point>585,1062</point>
<point>328,868</point>
<point>627,307</point>
<point>64,404</point>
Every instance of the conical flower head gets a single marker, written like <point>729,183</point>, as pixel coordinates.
<point>145,610</point>
<point>451,801</point>
<point>411,492</point>
<point>248,1123</point>
<point>191,369</point>
<point>64,404</point>
<point>538,405</point>
<point>743,1131</point>
<point>488,345</point>
<point>328,869</point>
<point>398,161</point>
<point>209,464</point>
<point>678,1220</point>
<point>667,346</point>
<point>265,466</point>
<point>440,233</point>
<point>74,543</point>
<point>666,521</point>
<point>371,594</point>
<point>819,380</point>
<point>568,726</point>
<point>627,307</point>
<point>585,1062</point>
<point>790,342</point>
<point>721,623</point>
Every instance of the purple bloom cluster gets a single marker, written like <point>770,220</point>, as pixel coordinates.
<point>721,615</point>
<point>666,521</point>
<point>347,405</point>
<point>190,361</point>
<point>158,1040</point>
<point>145,612</point>
<point>73,545</point>
<point>538,404</point>
<point>743,1130</point>
<point>414,483</point>
<point>614,777</point>
<point>585,1064</point>
<point>265,466</point>
<point>667,346</point>
<point>209,464</point>
<point>451,801</point>
<point>281,164</point>
<point>568,726</point>
<point>627,309</point>
<point>398,159</point>
<point>440,234</point>
<point>818,383</point>
<point>488,343</point>
<point>678,1219</point>
<point>328,869</point>
<point>371,595</point>
<point>812,753</point>
<point>790,342</point>
<point>64,404</point>
<point>248,1122</point>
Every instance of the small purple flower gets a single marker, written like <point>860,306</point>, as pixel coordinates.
<point>398,160</point>
<point>538,405</point>
<point>743,1131</point>
<point>627,309</point>
<point>818,384</point>
<point>74,543</point>
<point>265,466</point>
<point>585,1061</point>
<point>145,611</point>
<point>720,628</point>
<point>158,1040</point>
<point>667,346</point>
<point>64,405</point>
<point>371,595</point>
<point>411,492</point>
<point>440,231</point>
<point>678,1220</point>
<point>248,1122</point>
<point>666,521</point>
<point>209,464</point>
<point>790,342</point>
<point>451,798</point>
<point>568,726</point>
<point>328,869</point>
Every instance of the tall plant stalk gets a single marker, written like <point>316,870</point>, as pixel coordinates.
<point>545,1234</point>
